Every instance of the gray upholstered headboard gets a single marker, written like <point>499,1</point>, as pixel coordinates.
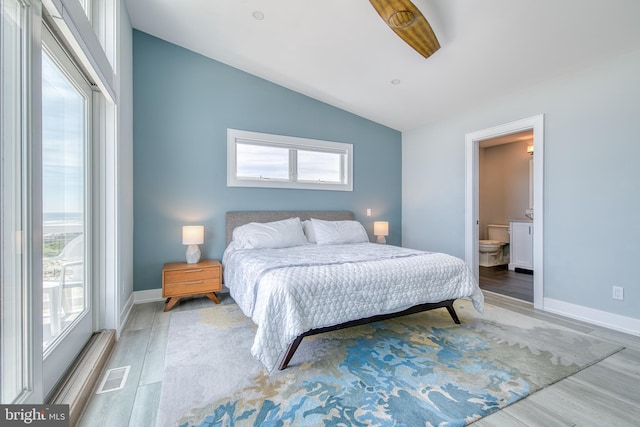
<point>235,219</point>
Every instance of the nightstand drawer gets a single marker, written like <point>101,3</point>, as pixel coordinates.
<point>191,274</point>
<point>180,279</point>
<point>193,287</point>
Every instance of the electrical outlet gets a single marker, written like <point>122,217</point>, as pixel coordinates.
<point>618,292</point>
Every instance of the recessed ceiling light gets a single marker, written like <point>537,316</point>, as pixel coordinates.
<point>395,82</point>
<point>258,15</point>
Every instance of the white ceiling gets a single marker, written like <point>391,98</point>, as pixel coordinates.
<point>342,53</point>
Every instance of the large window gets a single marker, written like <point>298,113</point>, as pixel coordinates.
<point>263,160</point>
<point>46,190</point>
<point>65,136</point>
<point>67,321</point>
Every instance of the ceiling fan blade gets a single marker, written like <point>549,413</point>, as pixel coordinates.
<point>408,22</point>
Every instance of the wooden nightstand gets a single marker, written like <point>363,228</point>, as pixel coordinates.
<point>180,279</point>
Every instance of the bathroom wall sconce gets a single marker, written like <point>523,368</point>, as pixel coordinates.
<point>381,229</point>
<point>193,235</point>
<point>530,150</point>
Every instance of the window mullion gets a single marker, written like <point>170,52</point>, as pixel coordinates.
<point>293,165</point>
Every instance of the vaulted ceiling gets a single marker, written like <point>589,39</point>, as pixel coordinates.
<point>342,53</point>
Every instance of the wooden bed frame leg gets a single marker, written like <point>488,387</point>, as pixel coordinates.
<point>292,349</point>
<point>453,313</point>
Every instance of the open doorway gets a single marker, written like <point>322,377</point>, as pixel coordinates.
<point>472,203</point>
<point>505,206</point>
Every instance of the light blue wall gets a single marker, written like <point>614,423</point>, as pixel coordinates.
<point>591,191</point>
<point>183,105</point>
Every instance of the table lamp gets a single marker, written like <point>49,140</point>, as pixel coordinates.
<point>381,229</point>
<point>193,235</point>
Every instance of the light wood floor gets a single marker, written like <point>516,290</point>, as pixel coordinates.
<point>605,394</point>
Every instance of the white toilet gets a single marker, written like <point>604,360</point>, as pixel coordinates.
<point>492,249</point>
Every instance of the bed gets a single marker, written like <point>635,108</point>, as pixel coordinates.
<point>293,288</point>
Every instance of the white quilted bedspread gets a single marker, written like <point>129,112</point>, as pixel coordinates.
<point>289,291</point>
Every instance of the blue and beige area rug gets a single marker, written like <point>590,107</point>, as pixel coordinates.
<point>412,371</point>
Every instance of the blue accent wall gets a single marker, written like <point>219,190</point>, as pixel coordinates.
<point>183,104</point>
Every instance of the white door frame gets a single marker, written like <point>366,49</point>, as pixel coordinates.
<point>472,147</point>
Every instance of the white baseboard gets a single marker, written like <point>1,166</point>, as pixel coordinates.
<point>149,295</point>
<point>613,321</point>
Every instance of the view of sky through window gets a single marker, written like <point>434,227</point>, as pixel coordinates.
<point>318,166</point>
<point>273,163</point>
<point>260,161</point>
<point>62,143</point>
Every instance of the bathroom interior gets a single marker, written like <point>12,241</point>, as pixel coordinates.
<point>506,214</point>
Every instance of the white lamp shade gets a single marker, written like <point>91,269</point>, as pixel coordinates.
<point>381,228</point>
<point>193,235</point>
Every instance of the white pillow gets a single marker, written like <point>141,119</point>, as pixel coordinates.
<point>276,234</point>
<point>338,232</point>
<point>308,231</point>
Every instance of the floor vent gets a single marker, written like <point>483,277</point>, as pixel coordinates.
<point>114,379</point>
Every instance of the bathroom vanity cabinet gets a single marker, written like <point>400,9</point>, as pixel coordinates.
<point>521,245</point>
